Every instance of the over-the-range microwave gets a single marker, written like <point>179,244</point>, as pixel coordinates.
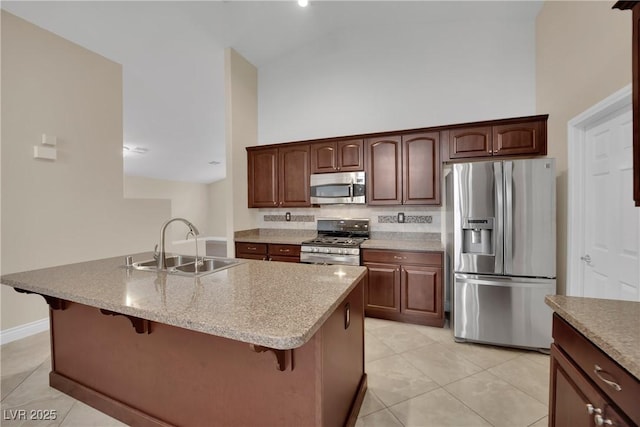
<point>338,188</point>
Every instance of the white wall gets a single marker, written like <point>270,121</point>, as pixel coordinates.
<point>188,200</point>
<point>71,209</point>
<point>217,211</point>
<point>583,56</point>
<point>241,102</point>
<point>383,78</point>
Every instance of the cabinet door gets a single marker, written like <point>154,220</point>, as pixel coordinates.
<point>263,178</point>
<point>324,157</point>
<point>470,142</point>
<point>251,250</point>
<point>382,293</point>
<point>519,138</point>
<point>636,102</point>
<point>572,395</point>
<point>384,179</point>
<point>279,250</point>
<point>350,155</point>
<point>294,176</point>
<point>421,290</point>
<point>421,169</point>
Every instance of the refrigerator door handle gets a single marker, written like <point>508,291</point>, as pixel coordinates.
<point>498,236</point>
<point>508,217</point>
<point>506,283</point>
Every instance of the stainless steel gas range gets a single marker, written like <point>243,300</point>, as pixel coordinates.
<point>338,242</point>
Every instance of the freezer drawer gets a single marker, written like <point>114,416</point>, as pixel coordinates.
<point>503,310</point>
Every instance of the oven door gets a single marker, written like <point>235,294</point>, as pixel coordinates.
<point>338,188</point>
<point>333,259</point>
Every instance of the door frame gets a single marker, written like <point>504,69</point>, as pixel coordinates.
<point>577,131</point>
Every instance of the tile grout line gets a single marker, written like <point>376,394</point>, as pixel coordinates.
<point>21,382</point>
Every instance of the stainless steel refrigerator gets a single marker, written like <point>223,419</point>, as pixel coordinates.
<point>503,251</point>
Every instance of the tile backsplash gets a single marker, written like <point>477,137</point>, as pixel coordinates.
<point>383,218</point>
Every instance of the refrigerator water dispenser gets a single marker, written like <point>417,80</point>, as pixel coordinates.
<point>477,236</point>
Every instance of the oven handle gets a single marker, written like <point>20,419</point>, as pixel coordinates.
<point>351,190</point>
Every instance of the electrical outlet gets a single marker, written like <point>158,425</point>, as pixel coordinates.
<point>287,216</point>
<point>401,217</point>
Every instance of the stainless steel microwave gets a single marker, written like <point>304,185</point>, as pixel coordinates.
<point>338,188</point>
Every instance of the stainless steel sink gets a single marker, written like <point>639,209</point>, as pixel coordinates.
<point>207,265</point>
<point>186,265</point>
<point>172,261</point>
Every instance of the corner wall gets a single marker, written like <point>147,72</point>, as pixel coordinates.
<point>188,200</point>
<point>241,98</point>
<point>583,55</point>
<point>71,209</point>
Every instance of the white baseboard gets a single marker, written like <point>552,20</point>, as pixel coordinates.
<point>23,331</point>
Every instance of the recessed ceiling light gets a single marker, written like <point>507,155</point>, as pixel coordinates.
<point>126,150</point>
<point>303,3</point>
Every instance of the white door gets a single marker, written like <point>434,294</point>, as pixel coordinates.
<point>611,236</point>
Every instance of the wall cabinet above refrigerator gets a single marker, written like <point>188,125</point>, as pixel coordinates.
<point>524,137</point>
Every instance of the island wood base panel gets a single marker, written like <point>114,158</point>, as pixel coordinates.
<point>174,376</point>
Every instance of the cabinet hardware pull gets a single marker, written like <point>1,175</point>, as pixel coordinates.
<point>347,316</point>
<point>399,257</point>
<point>597,369</point>
<point>284,250</point>
<point>251,248</point>
<point>602,421</point>
<point>593,410</point>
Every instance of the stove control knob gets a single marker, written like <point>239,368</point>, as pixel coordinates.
<point>343,251</point>
<point>314,250</point>
<point>327,250</point>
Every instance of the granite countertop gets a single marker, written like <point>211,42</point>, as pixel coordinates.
<point>612,325</point>
<point>278,236</point>
<point>404,245</point>
<point>425,242</point>
<point>273,304</point>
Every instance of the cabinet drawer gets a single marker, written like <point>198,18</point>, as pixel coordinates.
<point>251,248</point>
<point>587,356</point>
<point>402,257</point>
<point>284,250</point>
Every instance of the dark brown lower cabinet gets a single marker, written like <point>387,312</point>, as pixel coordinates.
<point>404,286</point>
<point>582,390</point>
<point>268,251</point>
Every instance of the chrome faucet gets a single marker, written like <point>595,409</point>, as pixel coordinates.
<point>162,259</point>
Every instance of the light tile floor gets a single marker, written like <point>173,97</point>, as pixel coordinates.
<point>418,376</point>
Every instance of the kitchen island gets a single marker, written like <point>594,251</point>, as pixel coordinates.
<point>595,362</point>
<point>255,344</point>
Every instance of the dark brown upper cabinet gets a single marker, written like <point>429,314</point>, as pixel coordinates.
<point>635,60</point>
<point>470,142</point>
<point>404,169</point>
<point>512,137</point>
<point>279,177</point>
<point>337,156</point>
<point>421,169</point>
<point>384,170</point>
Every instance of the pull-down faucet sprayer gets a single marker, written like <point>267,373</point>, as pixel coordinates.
<point>162,259</point>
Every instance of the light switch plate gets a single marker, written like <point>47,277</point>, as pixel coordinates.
<point>401,217</point>
<point>51,140</point>
<point>46,153</point>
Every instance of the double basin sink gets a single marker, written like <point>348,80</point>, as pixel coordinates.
<point>187,265</point>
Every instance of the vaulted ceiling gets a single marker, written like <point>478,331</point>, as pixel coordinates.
<point>172,53</point>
